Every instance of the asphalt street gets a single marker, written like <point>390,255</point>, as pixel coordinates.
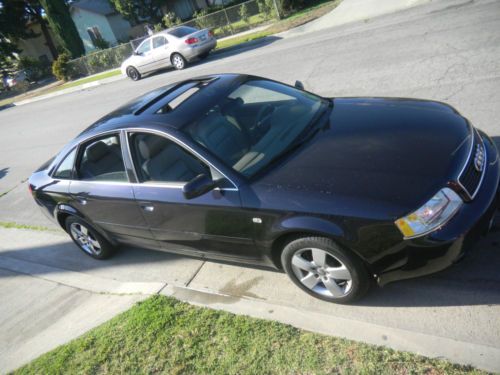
<point>445,50</point>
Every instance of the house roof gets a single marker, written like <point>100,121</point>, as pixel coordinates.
<point>95,6</point>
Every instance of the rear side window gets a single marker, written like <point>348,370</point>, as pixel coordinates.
<point>65,169</point>
<point>182,31</point>
<point>159,41</point>
<point>101,160</point>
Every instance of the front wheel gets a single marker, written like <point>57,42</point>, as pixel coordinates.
<point>133,73</point>
<point>319,267</point>
<point>178,61</point>
<point>87,238</point>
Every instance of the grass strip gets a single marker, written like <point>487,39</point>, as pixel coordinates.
<point>163,335</point>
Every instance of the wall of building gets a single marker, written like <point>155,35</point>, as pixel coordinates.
<point>36,47</point>
<point>84,19</point>
<point>120,26</point>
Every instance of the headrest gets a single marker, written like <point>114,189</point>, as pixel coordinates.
<point>150,146</point>
<point>97,151</point>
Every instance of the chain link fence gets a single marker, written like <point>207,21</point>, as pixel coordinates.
<point>226,22</point>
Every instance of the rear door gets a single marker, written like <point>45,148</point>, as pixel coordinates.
<point>212,225</point>
<point>101,192</point>
<point>161,51</point>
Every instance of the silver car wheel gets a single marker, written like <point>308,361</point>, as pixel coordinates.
<point>178,61</point>
<point>321,272</point>
<point>85,239</point>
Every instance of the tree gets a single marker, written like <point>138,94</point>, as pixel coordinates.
<point>62,25</point>
<point>138,11</point>
<point>16,14</point>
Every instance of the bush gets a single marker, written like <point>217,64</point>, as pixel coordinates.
<point>266,7</point>
<point>244,13</point>
<point>100,43</point>
<point>61,69</point>
<point>201,20</point>
<point>171,20</point>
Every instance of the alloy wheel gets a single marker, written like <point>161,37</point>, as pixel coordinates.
<point>85,239</point>
<point>178,61</point>
<point>321,272</point>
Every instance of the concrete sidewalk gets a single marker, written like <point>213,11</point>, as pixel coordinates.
<point>51,289</point>
<point>351,11</point>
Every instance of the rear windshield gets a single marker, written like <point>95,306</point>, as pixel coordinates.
<point>182,31</point>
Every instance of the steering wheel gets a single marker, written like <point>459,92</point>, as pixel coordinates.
<point>263,117</point>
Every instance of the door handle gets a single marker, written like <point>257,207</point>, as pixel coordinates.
<point>147,207</point>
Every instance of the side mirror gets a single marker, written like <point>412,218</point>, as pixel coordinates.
<point>299,85</point>
<point>137,53</point>
<point>199,185</point>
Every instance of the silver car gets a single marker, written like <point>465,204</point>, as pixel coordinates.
<point>172,47</point>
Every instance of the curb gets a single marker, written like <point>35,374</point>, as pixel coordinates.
<point>69,90</point>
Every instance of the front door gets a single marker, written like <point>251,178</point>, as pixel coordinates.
<point>212,225</point>
<point>144,58</point>
<point>101,192</point>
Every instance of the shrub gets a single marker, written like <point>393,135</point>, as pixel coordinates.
<point>61,67</point>
<point>201,20</point>
<point>266,7</point>
<point>243,12</point>
<point>100,43</point>
<point>171,20</point>
<point>35,69</point>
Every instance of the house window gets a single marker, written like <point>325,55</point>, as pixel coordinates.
<point>95,35</point>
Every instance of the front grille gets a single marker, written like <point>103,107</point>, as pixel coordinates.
<point>470,178</point>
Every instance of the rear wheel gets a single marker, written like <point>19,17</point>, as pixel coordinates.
<point>133,73</point>
<point>321,268</point>
<point>87,239</point>
<point>178,61</point>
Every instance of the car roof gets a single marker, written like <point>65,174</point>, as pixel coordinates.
<point>142,111</point>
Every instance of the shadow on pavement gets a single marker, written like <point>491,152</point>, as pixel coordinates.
<point>3,172</point>
<point>473,281</point>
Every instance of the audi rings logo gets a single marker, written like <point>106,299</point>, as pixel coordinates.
<point>479,158</point>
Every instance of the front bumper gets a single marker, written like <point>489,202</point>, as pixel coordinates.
<point>440,249</point>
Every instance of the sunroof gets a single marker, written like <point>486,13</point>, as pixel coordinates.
<point>188,92</point>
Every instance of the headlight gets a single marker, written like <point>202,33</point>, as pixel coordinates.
<point>436,212</point>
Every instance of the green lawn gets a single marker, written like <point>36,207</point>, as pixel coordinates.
<point>295,19</point>
<point>96,77</point>
<point>163,335</point>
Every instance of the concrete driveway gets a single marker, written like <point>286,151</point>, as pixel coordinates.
<point>444,50</point>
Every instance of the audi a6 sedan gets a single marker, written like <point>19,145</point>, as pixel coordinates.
<point>337,192</point>
<point>172,47</point>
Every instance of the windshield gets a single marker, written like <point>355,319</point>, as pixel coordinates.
<point>255,124</point>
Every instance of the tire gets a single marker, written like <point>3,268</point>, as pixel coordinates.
<point>133,73</point>
<point>87,239</point>
<point>204,55</point>
<point>322,269</point>
<point>178,61</point>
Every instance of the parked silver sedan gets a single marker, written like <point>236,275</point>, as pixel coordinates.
<point>172,47</point>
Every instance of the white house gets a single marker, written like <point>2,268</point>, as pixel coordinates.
<point>96,19</point>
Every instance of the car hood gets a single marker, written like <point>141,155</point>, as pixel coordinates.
<point>382,156</point>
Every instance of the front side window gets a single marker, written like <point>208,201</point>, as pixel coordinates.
<point>255,124</point>
<point>65,169</point>
<point>157,159</point>
<point>101,160</point>
<point>144,47</point>
<point>159,41</point>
